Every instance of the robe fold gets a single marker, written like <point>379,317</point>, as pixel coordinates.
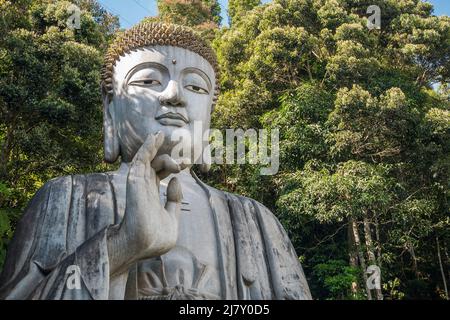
<point>62,235</point>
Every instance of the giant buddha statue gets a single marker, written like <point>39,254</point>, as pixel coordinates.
<point>151,229</point>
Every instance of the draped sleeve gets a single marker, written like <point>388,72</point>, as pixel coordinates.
<point>267,263</point>
<point>62,235</point>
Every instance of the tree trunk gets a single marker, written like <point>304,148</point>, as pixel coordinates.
<point>414,259</point>
<point>5,151</point>
<point>377,235</point>
<point>353,256</point>
<point>362,260</point>
<point>447,259</point>
<point>442,268</point>
<point>370,250</point>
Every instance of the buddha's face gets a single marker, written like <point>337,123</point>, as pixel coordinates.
<point>160,88</point>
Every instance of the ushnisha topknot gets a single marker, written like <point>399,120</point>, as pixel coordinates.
<point>156,33</point>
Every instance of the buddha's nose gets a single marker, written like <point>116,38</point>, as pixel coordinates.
<point>172,95</point>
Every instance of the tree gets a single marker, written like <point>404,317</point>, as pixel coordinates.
<point>238,8</point>
<point>364,120</point>
<point>50,104</point>
<point>364,149</point>
<point>201,15</point>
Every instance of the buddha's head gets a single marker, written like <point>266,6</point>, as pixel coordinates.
<point>157,77</point>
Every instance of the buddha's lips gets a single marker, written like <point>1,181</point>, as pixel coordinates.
<point>172,115</point>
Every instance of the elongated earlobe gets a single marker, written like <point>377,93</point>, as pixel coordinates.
<point>110,139</point>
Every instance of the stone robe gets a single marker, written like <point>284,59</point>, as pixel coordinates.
<point>65,225</point>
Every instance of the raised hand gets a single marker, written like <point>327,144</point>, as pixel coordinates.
<point>148,229</point>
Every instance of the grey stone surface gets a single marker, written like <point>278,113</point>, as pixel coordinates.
<point>152,229</point>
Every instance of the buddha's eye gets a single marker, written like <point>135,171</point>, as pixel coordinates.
<point>194,82</point>
<point>145,82</point>
<point>196,89</point>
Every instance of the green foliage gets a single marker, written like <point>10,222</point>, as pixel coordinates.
<point>364,119</point>
<point>50,105</point>
<point>337,277</point>
<point>190,13</point>
<point>201,15</point>
<point>354,188</point>
<point>7,218</point>
<point>364,145</point>
<point>238,8</point>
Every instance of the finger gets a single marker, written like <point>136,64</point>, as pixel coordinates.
<point>164,165</point>
<point>150,147</point>
<point>163,174</point>
<point>184,163</point>
<point>145,149</point>
<point>174,197</point>
<point>159,140</point>
<point>165,162</point>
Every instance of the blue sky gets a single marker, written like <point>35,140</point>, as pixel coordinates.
<point>131,12</point>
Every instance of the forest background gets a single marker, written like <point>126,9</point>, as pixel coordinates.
<point>363,113</point>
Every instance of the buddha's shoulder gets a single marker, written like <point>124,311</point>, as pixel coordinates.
<point>68,182</point>
<point>59,192</point>
<point>234,197</point>
<point>239,204</point>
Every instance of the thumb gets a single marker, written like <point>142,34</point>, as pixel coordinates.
<point>174,197</point>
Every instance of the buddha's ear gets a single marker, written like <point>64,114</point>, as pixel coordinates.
<point>111,139</point>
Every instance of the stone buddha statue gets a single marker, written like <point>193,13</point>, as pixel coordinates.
<point>151,229</point>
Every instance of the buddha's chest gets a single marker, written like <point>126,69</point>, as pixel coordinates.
<point>190,270</point>
<point>197,231</point>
